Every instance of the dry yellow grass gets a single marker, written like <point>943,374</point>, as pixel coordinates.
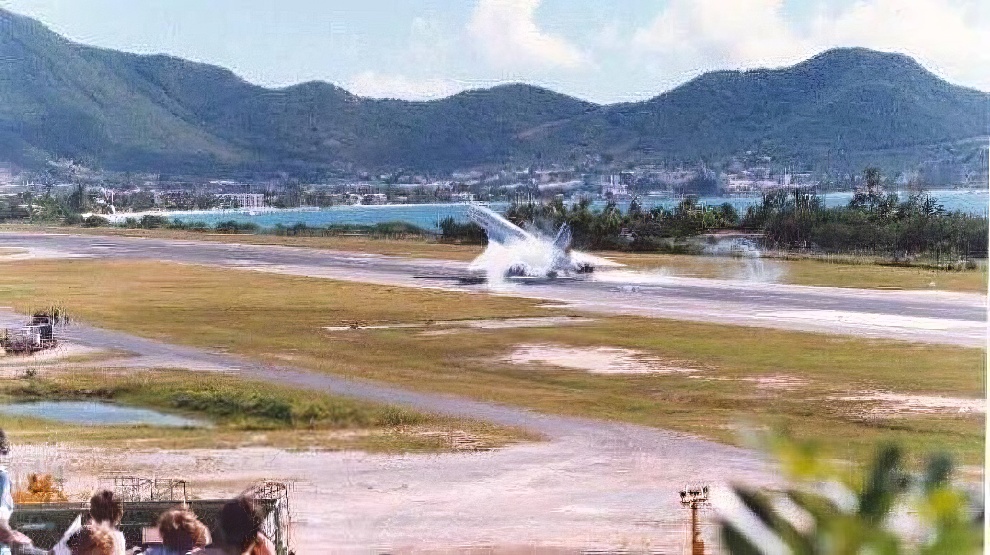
<point>811,272</point>
<point>280,319</point>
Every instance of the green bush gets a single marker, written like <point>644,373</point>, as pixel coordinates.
<point>233,404</point>
<point>470,232</point>
<point>150,221</point>
<point>392,417</point>
<point>853,515</point>
<point>233,226</point>
<point>95,221</point>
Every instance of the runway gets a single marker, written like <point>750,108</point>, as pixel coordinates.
<point>591,485</point>
<point>923,316</point>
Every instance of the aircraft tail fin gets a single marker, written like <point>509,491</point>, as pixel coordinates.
<point>563,239</point>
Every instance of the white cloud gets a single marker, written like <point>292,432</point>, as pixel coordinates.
<point>689,37</point>
<point>378,85</point>
<point>428,51</point>
<point>705,32</point>
<point>429,47</point>
<point>951,38</point>
<point>507,34</point>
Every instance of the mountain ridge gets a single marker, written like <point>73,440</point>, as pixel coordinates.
<point>156,111</point>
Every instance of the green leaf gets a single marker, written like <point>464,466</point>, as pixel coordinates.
<point>736,543</point>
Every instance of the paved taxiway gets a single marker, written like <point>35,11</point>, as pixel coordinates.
<point>927,316</point>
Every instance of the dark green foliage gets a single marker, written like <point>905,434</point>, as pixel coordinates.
<point>260,408</point>
<point>873,223</point>
<point>610,228</point>
<point>230,404</point>
<point>383,230</point>
<point>233,226</point>
<point>15,207</point>
<point>944,511</point>
<point>95,221</point>
<point>453,231</point>
<point>188,226</point>
<point>152,222</point>
<point>124,111</point>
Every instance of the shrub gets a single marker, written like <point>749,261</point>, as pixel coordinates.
<point>150,221</point>
<point>233,226</point>
<point>95,221</point>
<point>392,417</point>
<point>232,404</point>
<point>470,232</point>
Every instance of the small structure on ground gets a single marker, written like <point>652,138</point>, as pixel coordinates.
<point>37,335</point>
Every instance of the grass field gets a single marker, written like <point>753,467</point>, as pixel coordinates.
<point>799,272</point>
<point>241,413</point>
<point>279,319</point>
<point>812,272</point>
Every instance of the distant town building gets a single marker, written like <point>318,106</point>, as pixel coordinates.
<point>243,200</point>
<point>375,198</point>
<point>612,186</point>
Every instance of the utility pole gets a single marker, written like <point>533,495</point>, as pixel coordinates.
<point>693,499</point>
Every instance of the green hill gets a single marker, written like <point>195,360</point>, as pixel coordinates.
<point>125,111</point>
<point>841,102</point>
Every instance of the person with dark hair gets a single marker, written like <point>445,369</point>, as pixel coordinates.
<point>241,521</point>
<point>107,509</point>
<point>92,539</point>
<point>182,533</point>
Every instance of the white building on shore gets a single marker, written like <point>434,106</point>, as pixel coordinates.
<point>243,200</point>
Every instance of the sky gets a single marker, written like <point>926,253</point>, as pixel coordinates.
<point>603,51</point>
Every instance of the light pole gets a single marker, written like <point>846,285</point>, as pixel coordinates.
<point>694,498</point>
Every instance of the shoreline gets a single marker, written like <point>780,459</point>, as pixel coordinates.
<point>188,215</point>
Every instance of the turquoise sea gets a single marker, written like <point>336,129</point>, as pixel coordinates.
<point>427,216</point>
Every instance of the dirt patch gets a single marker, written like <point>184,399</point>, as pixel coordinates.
<point>881,403</point>
<point>35,253</point>
<point>597,360</point>
<point>443,327</point>
<point>459,440</point>
<point>60,353</point>
<point>780,382</point>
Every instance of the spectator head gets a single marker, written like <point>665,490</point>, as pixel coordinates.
<point>91,539</point>
<point>240,521</point>
<point>104,506</point>
<point>182,531</point>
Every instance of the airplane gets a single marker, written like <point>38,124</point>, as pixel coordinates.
<point>526,255</point>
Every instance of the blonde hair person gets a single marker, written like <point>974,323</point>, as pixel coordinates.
<point>106,508</point>
<point>92,539</point>
<point>181,533</point>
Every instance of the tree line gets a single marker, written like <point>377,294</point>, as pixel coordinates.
<point>874,222</point>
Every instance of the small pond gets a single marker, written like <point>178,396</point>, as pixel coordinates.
<point>92,413</point>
